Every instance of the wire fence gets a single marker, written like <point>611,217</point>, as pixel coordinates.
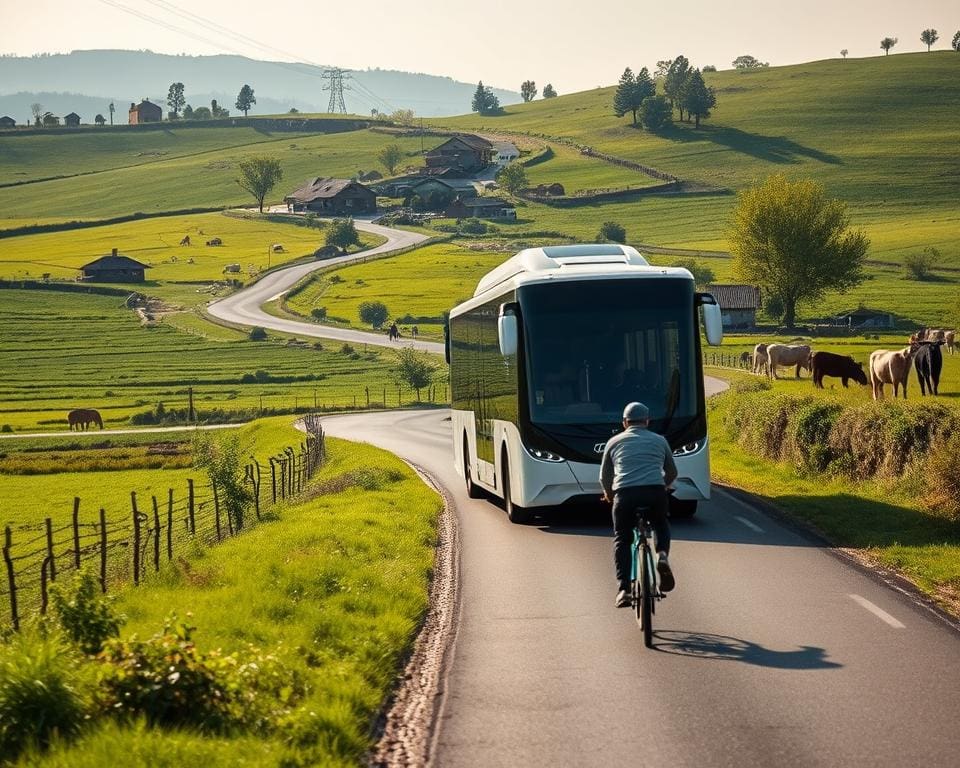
<point>129,550</point>
<point>741,361</point>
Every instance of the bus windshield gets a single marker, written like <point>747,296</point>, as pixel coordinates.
<point>594,346</point>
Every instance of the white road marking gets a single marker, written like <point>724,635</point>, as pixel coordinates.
<point>751,526</point>
<point>877,611</point>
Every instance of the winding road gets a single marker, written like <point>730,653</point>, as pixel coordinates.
<point>772,651</point>
<point>245,306</point>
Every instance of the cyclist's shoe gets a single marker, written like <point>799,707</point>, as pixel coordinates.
<point>666,574</point>
<point>623,598</point>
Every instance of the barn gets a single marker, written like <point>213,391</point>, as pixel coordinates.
<point>145,112</point>
<point>331,196</point>
<point>114,268</point>
<point>72,120</point>
<point>464,152</point>
<point>738,304</point>
<point>481,208</point>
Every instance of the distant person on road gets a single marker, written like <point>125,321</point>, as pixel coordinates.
<point>394,332</point>
<point>415,331</point>
<point>636,469</point>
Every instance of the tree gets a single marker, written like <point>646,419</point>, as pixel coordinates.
<point>655,113</point>
<point>342,234</point>
<point>202,113</point>
<point>844,52</point>
<point>112,110</point>
<point>390,157</point>
<point>100,120</point>
<point>674,81</point>
<point>698,98</point>
<point>188,112</point>
<point>708,68</point>
<point>625,95</point>
<point>223,457</point>
<point>701,275</point>
<point>415,369</point>
<point>245,99</point>
<point>794,242</point>
<point>259,175</point>
<point>528,90</point>
<point>484,101</point>
<point>929,36</point>
<point>887,43</point>
<point>919,266</point>
<point>749,62</point>
<point>955,45</point>
<point>176,99</point>
<point>550,93</point>
<point>217,111</point>
<point>512,178</point>
<point>50,120</point>
<point>610,231</point>
<point>36,110</point>
<point>373,313</point>
<point>257,334</point>
<point>663,67</point>
<point>402,116</point>
<point>293,111</point>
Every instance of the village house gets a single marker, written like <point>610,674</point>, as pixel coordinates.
<point>864,318</point>
<point>504,153</point>
<point>463,152</point>
<point>114,268</point>
<point>738,304</point>
<point>7,122</point>
<point>72,120</point>
<point>481,208</point>
<point>145,112</point>
<point>332,196</point>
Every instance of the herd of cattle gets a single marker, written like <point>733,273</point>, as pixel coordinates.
<point>885,366</point>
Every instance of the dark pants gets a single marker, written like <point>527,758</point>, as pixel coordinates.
<point>626,503</point>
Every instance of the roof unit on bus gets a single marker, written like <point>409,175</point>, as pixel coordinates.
<point>557,257</point>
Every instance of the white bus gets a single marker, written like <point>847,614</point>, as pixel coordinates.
<point>543,358</point>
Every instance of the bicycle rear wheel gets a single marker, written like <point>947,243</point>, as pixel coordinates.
<point>645,607</point>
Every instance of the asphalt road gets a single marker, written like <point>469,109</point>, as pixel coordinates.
<point>244,307</point>
<point>772,651</point>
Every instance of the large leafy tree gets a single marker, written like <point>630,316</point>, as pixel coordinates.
<point>390,157</point>
<point>793,241</point>
<point>549,92</point>
<point>631,91</point>
<point>655,113</point>
<point>749,62</point>
<point>245,99</point>
<point>929,37</point>
<point>342,233</point>
<point>674,81</point>
<point>485,101</point>
<point>512,178</point>
<point>100,120</point>
<point>374,313</point>
<point>175,98</point>
<point>887,43</point>
<point>415,369</point>
<point>528,90</point>
<point>259,175</point>
<point>697,97</point>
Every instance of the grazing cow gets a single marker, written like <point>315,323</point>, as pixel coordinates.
<point>784,354</point>
<point>932,334</point>
<point>215,241</point>
<point>277,248</point>
<point>83,418</point>
<point>829,364</point>
<point>888,367</point>
<point>186,240</point>
<point>760,358</point>
<point>929,362</point>
<point>745,358</point>
<point>949,338</point>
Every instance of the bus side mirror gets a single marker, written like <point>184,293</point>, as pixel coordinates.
<point>507,330</point>
<point>712,319</point>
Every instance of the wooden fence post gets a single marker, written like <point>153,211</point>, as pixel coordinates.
<point>53,562</point>
<point>384,397</point>
<point>191,512</point>
<point>368,396</point>
<point>256,488</point>
<point>170,524</point>
<point>103,550</point>
<point>156,534</point>
<point>76,531</point>
<point>216,510</point>
<point>399,401</point>
<point>136,539</point>
<point>11,577</point>
<point>273,478</point>
<point>47,561</point>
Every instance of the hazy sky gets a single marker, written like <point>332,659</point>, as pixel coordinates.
<point>575,44</point>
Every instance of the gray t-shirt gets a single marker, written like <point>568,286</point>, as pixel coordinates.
<point>636,456</point>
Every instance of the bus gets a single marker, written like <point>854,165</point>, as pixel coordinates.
<point>546,354</point>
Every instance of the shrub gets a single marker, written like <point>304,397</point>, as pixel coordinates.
<point>473,227</point>
<point>346,349</point>
<point>6,428</point>
<point>374,313</point>
<point>942,478</point>
<point>755,384</point>
<point>86,616</point>
<point>336,279</point>
<point>919,266</point>
<point>258,334</point>
<point>343,234</point>
<point>42,691</point>
<point>222,459</point>
<point>318,313</point>
<point>611,231</point>
<point>248,378</point>
<point>811,431</point>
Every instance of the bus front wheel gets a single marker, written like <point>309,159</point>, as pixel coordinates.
<point>517,515</point>
<point>682,508</point>
<point>473,492</point>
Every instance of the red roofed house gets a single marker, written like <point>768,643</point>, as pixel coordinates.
<point>332,196</point>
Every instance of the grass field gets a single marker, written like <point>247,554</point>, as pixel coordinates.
<point>61,351</point>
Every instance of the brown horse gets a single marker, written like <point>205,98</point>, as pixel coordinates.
<point>83,417</point>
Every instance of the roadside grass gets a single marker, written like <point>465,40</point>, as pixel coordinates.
<point>335,587</point>
<point>206,179</point>
<point>880,520</point>
<point>400,282</point>
<point>61,351</point>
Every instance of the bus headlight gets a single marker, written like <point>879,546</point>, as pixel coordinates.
<point>542,455</point>
<point>687,449</point>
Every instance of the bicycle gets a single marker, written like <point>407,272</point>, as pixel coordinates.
<point>645,591</point>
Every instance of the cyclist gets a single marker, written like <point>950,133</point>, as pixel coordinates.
<point>636,469</point>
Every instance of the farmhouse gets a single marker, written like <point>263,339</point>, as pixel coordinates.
<point>481,208</point>
<point>7,122</point>
<point>504,152</point>
<point>72,120</point>
<point>464,152</point>
<point>145,112</point>
<point>738,304</point>
<point>114,268</point>
<point>864,318</point>
<point>332,196</point>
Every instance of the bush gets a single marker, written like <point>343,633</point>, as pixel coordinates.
<point>86,616</point>
<point>342,234</point>
<point>334,279</point>
<point>919,266</point>
<point>942,478</point>
<point>610,231</point>
<point>318,313</point>
<point>346,349</point>
<point>42,691</point>
<point>6,428</point>
<point>258,334</point>
<point>374,313</point>
<point>473,227</point>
